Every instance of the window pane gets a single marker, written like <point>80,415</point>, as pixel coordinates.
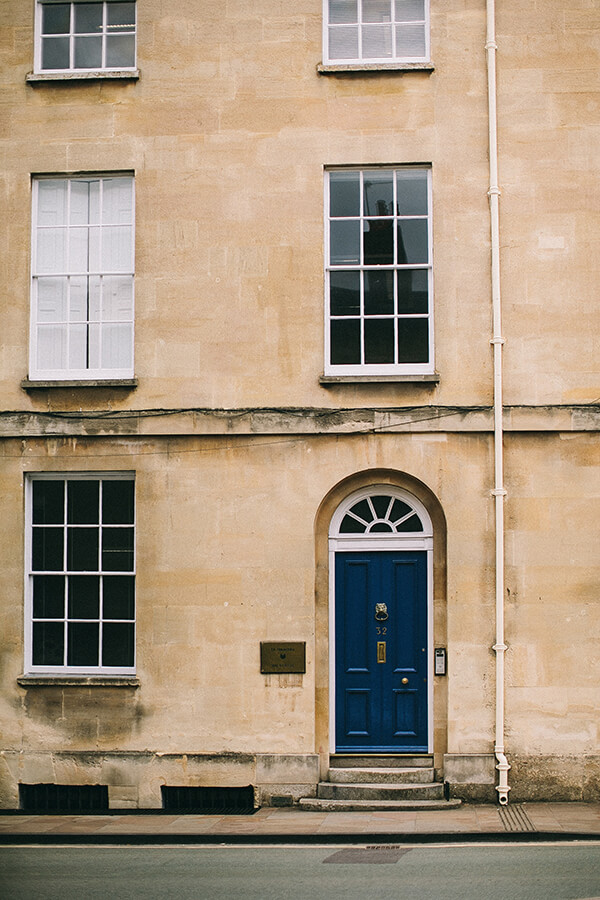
<point>56,18</point>
<point>122,14</point>
<point>88,53</point>
<point>378,239</point>
<point>48,596</point>
<point>84,596</point>
<point>377,41</point>
<point>345,342</point>
<point>410,10</point>
<point>413,341</point>
<point>379,293</point>
<point>117,502</point>
<point>118,597</point>
<point>343,42</point>
<point>399,509</point>
<point>48,502</point>
<point>379,194</point>
<point>78,299</point>
<point>120,50</point>
<point>410,40</point>
<point>377,10</point>
<point>52,202</point>
<point>83,503</point>
<point>47,550</point>
<point>381,526</point>
<point>343,11</point>
<point>363,510</point>
<point>55,53</point>
<point>344,194</point>
<point>344,293</point>
<point>379,341</point>
<point>79,257</point>
<point>413,291</point>
<point>351,526</point>
<point>116,350</point>
<point>345,242</point>
<point>412,193</point>
<point>413,241</point>
<point>79,212</point>
<point>78,347</point>
<point>117,644</point>
<point>82,549</point>
<point>52,299</point>
<point>51,250</point>
<point>117,249</point>
<point>88,18</point>
<point>413,524</point>
<point>51,347</point>
<point>117,298</point>
<point>117,201</point>
<point>381,505</point>
<point>48,643</point>
<point>82,643</point>
<point>117,549</point>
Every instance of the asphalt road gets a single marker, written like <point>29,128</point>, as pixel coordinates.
<point>474,872</point>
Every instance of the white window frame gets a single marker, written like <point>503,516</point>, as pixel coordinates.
<point>30,668</point>
<point>72,68</point>
<point>392,368</point>
<point>36,371</point>
<point>362,61</point>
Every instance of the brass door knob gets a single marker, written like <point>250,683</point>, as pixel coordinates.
<point>405,681</point>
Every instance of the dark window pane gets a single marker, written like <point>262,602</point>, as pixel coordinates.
<point>82,549</point>
<point>413,291</point>
<point>118,597</point>
<point>82,643</point>
<point>412,524</point>
<point>412,193</point>
<point>399,509</point>
<point>363,510</point>
<point>381,526</point>
<point>117,644</point>
<point>378,240</point>
<point>82,503</point>
<point>120,50</point>
<point>344,293</point>
<point>55,53</point>
<point>345,342</point>
<point>117,502</point>
<point>345,243</point>
<point>413,340</point>
<point>88,18</point>
<point>413,241</point>
<point>48,596</point>
<point>48,643</point>
<point>117,549</point>
<point>379,340</point>
<point>381,505</point>
<point>351,526</point>
<point>379,194</point>
<point>56,18</point>
<point>122,14</point>
<point>48,502</point>
<point>379,293</point>
<point>84,596</point>
<point>344,193</point>
<point>47,550</point>
<point>88,52</point>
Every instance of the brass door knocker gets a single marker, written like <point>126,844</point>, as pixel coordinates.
<point>381,612</point>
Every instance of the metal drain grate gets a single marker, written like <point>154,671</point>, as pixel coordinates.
<point>212,800</point>
<point>63,798</point>
<point>514,818</point>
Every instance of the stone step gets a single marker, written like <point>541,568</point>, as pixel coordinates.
<point>312,804</point>
<point>392,775</point>
<point>372,761</point>
<point>327,790</point>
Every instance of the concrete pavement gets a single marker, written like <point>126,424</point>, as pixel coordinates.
<point>535,821</point>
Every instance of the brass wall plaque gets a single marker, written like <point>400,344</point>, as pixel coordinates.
<point>282,657</point>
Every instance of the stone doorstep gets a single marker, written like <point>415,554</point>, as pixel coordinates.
<point>327,790</point>
<point>318,805</point>
<point>392,775</point>
<point>368,761</point>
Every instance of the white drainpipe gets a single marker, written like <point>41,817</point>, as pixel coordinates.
<point>497,341</point>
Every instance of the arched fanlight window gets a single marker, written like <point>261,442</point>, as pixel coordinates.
<point>381,512</point>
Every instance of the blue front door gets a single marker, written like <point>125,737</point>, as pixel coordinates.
<point>381,651</point>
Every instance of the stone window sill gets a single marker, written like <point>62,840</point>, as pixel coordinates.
<point>126,383</point>
<point>78,681</point>
<point>115,75</point>
<point>360,68</point>
<point>332,380</point>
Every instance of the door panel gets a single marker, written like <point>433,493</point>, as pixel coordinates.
<point>381,705</point>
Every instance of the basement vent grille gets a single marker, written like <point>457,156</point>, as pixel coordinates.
<point>211,800</point>
<point>63,798</point>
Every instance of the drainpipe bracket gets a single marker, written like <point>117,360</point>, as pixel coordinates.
<point>497,340</point>
<point>500,648</point>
